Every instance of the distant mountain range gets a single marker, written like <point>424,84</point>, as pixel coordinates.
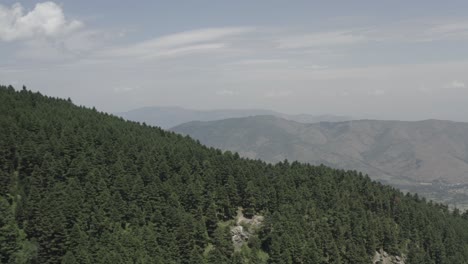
<point>167,117</point>
<point>429,157</point>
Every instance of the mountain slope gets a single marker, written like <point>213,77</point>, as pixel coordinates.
<point>417,154</point>
<point>167,117</point>
<point>79,186</point>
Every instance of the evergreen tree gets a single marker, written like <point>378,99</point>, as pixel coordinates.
<point>79,186</point>
<point>9,233</point>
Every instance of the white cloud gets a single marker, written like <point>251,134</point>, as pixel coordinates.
<point>448,30</point>
<point>321,39</point>
<point>196,36</point>
<point>455,85</point>
<point>415,30</point>
<point>45,20</point>
<point>69,47</point>
<point>420,30</point>
<point>201,48</point>
<point>179,43</point>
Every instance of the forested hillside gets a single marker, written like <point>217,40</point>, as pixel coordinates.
<point>428,157</point>
<point>79,186</point>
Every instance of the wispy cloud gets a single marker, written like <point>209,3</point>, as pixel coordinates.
<point>180,43</point>
<point>420,30</point>
<point>320,39</point>
<point>455,85</point>
<point>449,30</point>
<point>199,48</point>
<point>45,20</point>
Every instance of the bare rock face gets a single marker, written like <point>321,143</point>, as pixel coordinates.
<point>244,228</point>
<point>239,236</point>
<point>253,222</point>
<point>382,257</point>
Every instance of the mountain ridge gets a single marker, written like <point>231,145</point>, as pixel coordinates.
<point>170,116</point>
<point>406,154</point>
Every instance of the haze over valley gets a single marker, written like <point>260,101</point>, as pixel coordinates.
<point>168,117</point>
<point>233,132</point>
<point>429,157</point>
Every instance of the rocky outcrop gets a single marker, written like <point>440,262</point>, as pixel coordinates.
<point>382,257</point>
<point>254,222</point>
<point>244,228</point>
<point>239,236</point>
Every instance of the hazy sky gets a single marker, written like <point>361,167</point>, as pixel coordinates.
<point>370,59</point>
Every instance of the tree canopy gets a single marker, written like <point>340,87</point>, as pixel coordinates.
<point>81,186</point>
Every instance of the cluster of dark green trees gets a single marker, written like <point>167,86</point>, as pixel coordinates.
<point>79,186</point>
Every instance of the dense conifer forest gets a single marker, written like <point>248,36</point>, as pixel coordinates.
<point>80,186</point>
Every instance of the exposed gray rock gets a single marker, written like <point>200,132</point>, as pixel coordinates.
<point>244,228</point>
<point>382,257</point>
<point>254,222</point>
<point>239,236</point>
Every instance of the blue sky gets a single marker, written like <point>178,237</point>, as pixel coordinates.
<point>404,60</point>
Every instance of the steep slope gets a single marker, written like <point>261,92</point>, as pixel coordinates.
<point>167,117</point>
<point>79,186</point>
<point>413,155</point>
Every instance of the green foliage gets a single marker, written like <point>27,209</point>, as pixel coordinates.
<point>9,233</point>
<point>78,186</point>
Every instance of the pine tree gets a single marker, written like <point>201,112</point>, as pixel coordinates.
<point>211,220</point>
<point>9,233</point>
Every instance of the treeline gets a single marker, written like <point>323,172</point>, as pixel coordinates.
<point>80,186</point>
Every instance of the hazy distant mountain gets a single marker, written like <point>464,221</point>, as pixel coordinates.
<point>428,156</point>
<point>167,117</point>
